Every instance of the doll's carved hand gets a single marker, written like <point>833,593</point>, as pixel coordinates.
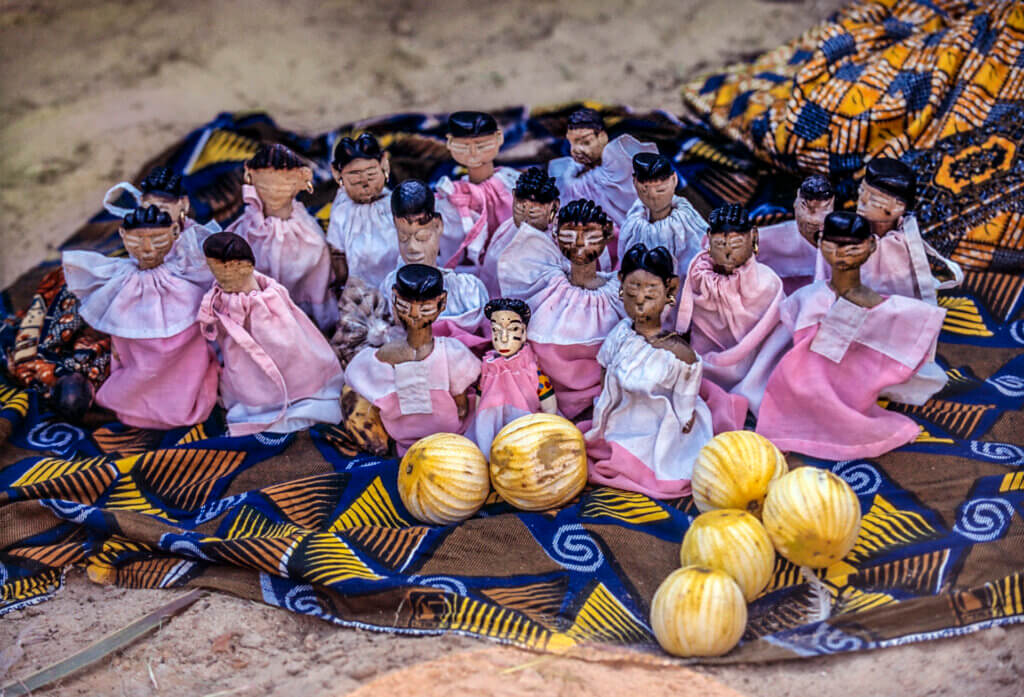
<point>689,424</point>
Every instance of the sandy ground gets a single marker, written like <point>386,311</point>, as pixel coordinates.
<point>92,88</point>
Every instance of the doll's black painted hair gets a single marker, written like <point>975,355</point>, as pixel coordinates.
<point>582,212</point>
<point>732,217</point>
<point>275,156</point>
<point>163,181</point>
<point>469,124</point>
<point>535,185</point>
<point>146,216</point>
<point>816,188</point>
<point>412,199</point>
<point>651,167</point>
<point>508,305</point>
<point>419,282</point>
<point>845,227</point>
<point>585,118</point>
<point>657,261</point>
<point>365,147</point>
<point>227,246</point>
<point>892,177</point>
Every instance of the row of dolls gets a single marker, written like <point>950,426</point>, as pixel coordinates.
<point>732,307</point>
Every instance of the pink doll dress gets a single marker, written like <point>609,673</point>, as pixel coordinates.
<point>162,374</point>
<point>366,233</point>
<point>734,324</point>
<point>463,316</point>
<point>509,388</point>
<point>568,324</point>
<point>415,398</point>
<point>821,399</point>
<point>280,374</point>
<point>479,210</point>
<point>637,441</point>
<point>681,233</point>
<point>293,252</point>
<point>784,250</point>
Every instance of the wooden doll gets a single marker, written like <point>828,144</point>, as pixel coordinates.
<point>790,248</point>
<point>511,385</point>
<point>649,420</point>
<point>287,241</point>
<point>361,231</point>
<point>573,309</point>
<point>849,344</point>
<point>280,374</point>
<point>420,383</point>
<point>476,204</point>
<point>418,228</point>
<point>162,373</point>
<point>730,305</point>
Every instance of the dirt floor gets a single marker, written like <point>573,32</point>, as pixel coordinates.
<point>92,88</point>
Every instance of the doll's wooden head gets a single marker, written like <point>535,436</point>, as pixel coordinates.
<point>164,189</point>
<point>278,175</point>
<point>418,224</point>
<point>474,140</point>
<point>361,167</point>
<point>648,283</point>
<point>886,194</point>
<point>418,296</point>
<point>587,137</point>
<point>583,231</point>
<point>846,241</point>
<point>814,200</point>
<point>535,199</point>
<point>509,318</point>
<point>148,234</point>
<point>655,181</point>
<point>231,260</point>
<point>732,239</point>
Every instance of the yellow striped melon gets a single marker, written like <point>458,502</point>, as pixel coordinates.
<point>734,470</point>
<point>443,479</point>
<point>538,461</point>
<point>698,611</point>
<point>732,541</point>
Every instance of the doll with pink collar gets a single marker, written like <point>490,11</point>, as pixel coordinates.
<point>849,345</point>
<point>790,248</point>
<point>730,305</point>
<point>287,241</point>
<point>572,309</point>
<point>165,190</point>
<point>474,206</point>
<point>418,229</point>
<point>511,385</point>
<point>650,421</point>
<point>361,231</point>
<point>279,373</point>
<point>420,383</point>
<point>162,374</point>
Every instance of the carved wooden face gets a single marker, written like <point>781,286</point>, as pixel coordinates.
<point>881,209</point>
<point>233,276</point>
<point>508,332</point>
<point>731,250</point>
<point>416,314</point>
<point>476,151</point>
<point>150,245</point>
<point>657,195</point>
<point>419,239</point>
<point>364,179</point>
<point>845,255</point>
<point>582,244</point>
<point>539,215</point>
<point>644,295</point>
<point>278,187</point>
<point>177,208</point>
<point>586,145</point>
<point>810,216</point>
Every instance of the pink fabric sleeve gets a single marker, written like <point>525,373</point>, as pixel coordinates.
<point>463,366</point>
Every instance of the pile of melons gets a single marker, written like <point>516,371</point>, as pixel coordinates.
<point>537,462</point>
<point>751,507</point>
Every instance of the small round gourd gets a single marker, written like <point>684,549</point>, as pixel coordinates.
<point>732,541</point>
<point>812,517</point>
<point>443,479</point>
<point>698,611</point>
<point>538,462</point>
<point>734,470</point>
